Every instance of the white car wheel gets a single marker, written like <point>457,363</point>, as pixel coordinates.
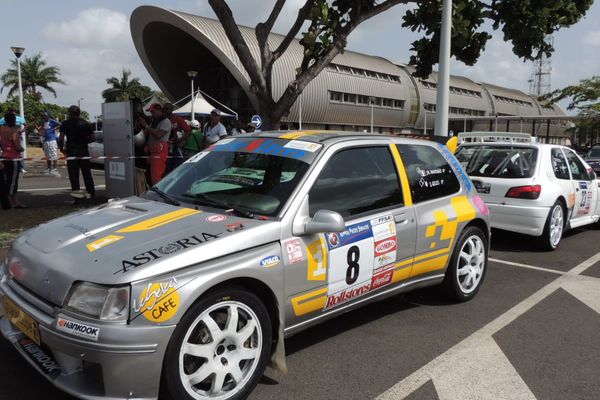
<point>222,352</point>
<point>554,228</point>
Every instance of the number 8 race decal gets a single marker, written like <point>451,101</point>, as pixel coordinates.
<point>361,259</point>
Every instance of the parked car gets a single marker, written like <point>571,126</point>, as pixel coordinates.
<point>593,158</point>
<point>196,283</point>
<point>536,189</point>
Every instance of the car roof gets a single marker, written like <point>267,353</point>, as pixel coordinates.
<point>330,137</point>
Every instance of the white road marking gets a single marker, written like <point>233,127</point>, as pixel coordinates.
<point>514,264</point>
<point>481,373</point>
<point>586,289</point>
<point>444,361</point>
<point>55,189</point>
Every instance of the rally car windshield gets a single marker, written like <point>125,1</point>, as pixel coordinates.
<point>250,183</point>
<point>498,161</point>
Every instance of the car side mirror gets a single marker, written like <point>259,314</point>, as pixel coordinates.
<point>325,221</point>
<point>593,176</point>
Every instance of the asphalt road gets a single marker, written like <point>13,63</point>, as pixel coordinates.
<point>531,333</point>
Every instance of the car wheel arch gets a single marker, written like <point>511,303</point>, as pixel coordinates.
<point>481,224</point>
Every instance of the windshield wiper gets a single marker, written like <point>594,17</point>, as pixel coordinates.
<point>202,198</point>
<point>165,196</point>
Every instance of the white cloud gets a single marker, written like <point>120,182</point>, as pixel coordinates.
<point>591,38</point>
<point>94,27</point>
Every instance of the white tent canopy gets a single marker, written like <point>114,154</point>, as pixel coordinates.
<point>201,107</point>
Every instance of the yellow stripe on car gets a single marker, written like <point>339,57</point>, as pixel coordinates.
<point>309,302</point>
<point>403,175</point>
<point>296,135</point>
<point>159,221</point>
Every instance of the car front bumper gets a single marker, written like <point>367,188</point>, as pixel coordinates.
<point>527,220</point>
<point>125,362</point>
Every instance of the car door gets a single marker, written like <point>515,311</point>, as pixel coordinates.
<point>586,195</point>
<point>439,206</point>
<point>560,168</point>
<point>361,184</point>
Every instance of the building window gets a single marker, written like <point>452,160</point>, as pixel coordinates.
<point>335,96</point>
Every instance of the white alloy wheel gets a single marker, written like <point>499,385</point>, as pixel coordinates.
<point>556,225</point>
<point>220,351</point>
<point>471,262</point>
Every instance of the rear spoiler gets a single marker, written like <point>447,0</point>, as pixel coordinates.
<point>451,143</point>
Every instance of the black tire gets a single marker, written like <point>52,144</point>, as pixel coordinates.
<point>172,386</point>
<point>545,241</point>
<point>452,285</point>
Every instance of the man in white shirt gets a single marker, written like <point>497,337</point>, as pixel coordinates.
<point>214,129</point>
<point>237,128</point>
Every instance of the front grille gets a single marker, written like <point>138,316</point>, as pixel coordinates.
<point>42,304</point>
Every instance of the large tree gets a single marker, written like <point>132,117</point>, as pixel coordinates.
<point>35,74</point>
<point>125,88</point>
<point>329,23</point>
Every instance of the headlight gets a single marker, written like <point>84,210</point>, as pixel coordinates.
<point>103,302</point>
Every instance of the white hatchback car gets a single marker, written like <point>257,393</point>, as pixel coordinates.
<point>531,188</point>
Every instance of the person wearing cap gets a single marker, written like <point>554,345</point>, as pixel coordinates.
<point>178,127</point>
<point>78,133</point>
<point>49,127</point>
<point>191,143</point>
<point>157,146</point>
<point>214,129</point>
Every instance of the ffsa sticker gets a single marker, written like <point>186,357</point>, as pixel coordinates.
<point>159,301</point>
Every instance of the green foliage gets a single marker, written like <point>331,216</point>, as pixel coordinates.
<point>524,23</point>
<point>124,88</point>
<point>35,74</point>
<point>34,109</point>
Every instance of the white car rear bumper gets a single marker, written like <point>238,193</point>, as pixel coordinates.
<point>526,220</point>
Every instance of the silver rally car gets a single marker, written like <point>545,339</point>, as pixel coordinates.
<point>191,288</point>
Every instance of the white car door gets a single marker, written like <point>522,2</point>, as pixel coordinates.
<point>586,195</point>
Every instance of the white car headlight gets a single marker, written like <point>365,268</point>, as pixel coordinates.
<point>103,302</point>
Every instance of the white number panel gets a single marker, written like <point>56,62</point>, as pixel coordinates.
<point>361,259</point>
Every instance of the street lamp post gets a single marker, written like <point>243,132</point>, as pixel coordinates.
<point>425,121</point>
<point>443,85</point>
<point>371,102</point>
<point>18,51</point>
<point>192,74</point>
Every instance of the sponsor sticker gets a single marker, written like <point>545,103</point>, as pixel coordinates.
<point>223,142</point>
<point>353,233</point>
<point>385,246</point>
<point>302,145</point>
<point>43,361</point>
<point>270,261</point>
<point>384,231</point>
<point>105,241</point>
<point>170,248</point>
<point>293,249</point>
<point>197,157</point>
<point>159,301</point>
<point>216,218</point>
<point>78,329</point>
<point>347,294</point>
<point>381,279</point>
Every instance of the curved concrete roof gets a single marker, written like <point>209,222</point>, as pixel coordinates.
<point>170,43</point>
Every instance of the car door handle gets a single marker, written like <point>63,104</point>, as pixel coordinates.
<point>400,218</point>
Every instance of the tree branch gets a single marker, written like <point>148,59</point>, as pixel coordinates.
<point>240,46</point>
<point>303,14</point>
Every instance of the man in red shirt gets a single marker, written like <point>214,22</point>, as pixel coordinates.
<point>178,124</point>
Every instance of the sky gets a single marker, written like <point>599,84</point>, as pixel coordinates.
<point>90,41</point>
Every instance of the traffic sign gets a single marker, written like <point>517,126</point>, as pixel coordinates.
<point>257,121</point>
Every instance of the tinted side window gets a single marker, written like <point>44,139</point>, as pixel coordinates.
<point>429,174</point>
<point>559,164</point>
<point>356,181</point>
<point>578,171</point>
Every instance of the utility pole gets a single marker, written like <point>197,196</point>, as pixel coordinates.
<point>443,84</point>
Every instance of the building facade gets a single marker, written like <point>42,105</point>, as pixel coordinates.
<point>344,96</point>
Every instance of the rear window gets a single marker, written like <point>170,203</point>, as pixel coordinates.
<point>594,153</point>
<point>498,161</point>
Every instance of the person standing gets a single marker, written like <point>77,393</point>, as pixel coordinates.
<point>214,129</point>
<point>156,145</point>
<point>78,133</point>
<point>191,143</point>
<point>178,125</point>
<point>10,141</point>
<point>49,128</point>
<point>237,128</point>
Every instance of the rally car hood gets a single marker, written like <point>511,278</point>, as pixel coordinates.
<point>127,241</point>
